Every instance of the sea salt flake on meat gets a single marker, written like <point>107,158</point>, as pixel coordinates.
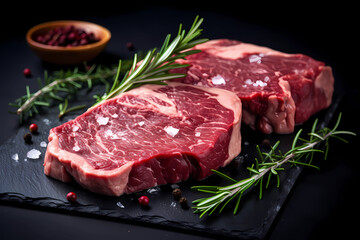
<point>109,133</point>
<point>75,128</point>
<point>259,83</point>
<point>76,148</point>
<point>218,80</point>
<point>102,120</point>
<point>255,58</point>
<point>248,81</point>
<point>171,130</point>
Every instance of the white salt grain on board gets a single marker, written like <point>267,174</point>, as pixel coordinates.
<point>43,144</point>
<point>46,121</point>
<point>15,157</point>
<point>174,186</point>
<point>154,190</point>
<point>33,154</point>
<point>120,205</point>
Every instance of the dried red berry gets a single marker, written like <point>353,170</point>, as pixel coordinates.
<point>71,197</point>
<point>143,201</point>
<point>68,36</point>
<point>27,72</point>
<point>33,128</point>
<point>130,46</point>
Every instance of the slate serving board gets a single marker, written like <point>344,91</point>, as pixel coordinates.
<point>22,181</point>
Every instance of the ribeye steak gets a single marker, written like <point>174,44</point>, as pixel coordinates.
<point>148,136</point>
<point>277,90</point>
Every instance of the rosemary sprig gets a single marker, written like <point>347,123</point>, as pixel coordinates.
<point>268,163</point>
<point>58,88</point>
<point>155,66</point>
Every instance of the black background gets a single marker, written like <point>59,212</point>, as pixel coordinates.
<point>322,203</point>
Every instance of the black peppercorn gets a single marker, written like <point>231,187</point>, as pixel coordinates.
<point>183,202</point>
<point>27,138</point>
<point>266,143</point>
<point>176,193</point>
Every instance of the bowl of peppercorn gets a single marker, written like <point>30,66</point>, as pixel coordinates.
<point>68,42</point>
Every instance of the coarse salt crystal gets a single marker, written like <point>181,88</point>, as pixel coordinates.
<point>120,205</point>
<point>33,154</point>
<point>255,58</point>
<point>15,157</point>
<point>248,81</point>
<point>46,121</point>
<point>259,83</point>
<point>76,148</point>
<point>75,128</point>
<point>102,120</point>
<point>218,80</point>
<point>171,130</point>
<point>43,144</point>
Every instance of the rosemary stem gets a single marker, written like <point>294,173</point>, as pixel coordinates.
<point>264,171</point>
<point>270,164</point>
<point>287,158</point>
<point>29,102</point>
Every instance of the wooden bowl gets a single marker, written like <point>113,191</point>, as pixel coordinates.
<point>68,55</point>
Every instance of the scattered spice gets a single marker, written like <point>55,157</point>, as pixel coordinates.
<point>71,197</point>
<point>266,143</point>
<point>183,202</point>
<point>27,72</point>
<point>28,138</point>
<point>143,201</point>
<point>176,193</point>
<point>33,128</point>
<point>130,46</point>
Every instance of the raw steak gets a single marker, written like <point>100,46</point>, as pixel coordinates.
<point>149,136</point>
<point>277,90</point>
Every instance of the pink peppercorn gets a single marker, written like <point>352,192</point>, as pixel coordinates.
<point>143,201</point>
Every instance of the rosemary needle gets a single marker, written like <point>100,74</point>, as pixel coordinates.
<point>268,163</point>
